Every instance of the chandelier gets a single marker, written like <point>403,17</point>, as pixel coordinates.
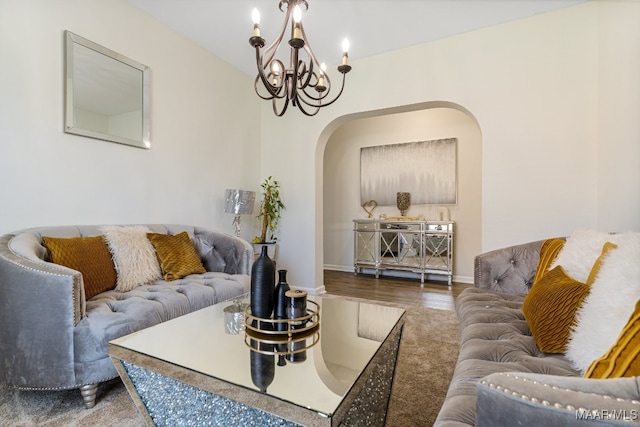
<point>304,83</point>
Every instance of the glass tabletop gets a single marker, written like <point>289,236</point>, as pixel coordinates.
<point>317,378</point>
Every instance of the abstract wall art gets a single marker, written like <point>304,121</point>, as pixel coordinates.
<point>426,169</point>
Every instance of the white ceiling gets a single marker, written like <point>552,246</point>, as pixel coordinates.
<point>223,27</point>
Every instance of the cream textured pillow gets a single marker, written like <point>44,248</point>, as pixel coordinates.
<point>580,252</point>
<point>610,303</point>
<point>133,255</point>
<point>623,359</point>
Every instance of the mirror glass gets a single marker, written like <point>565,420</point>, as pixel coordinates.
<point>107,94</point>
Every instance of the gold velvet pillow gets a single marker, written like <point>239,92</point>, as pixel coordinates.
<point>623,358</point>
<point>88,255</point>
<point>548,253</point>
<point>177,255</point>
<point>550,308</point>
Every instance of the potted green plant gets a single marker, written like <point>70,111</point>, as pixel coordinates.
<point>270,210</point>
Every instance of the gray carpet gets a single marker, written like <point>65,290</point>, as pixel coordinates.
<point>428,352</point>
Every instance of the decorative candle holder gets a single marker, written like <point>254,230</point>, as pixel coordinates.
<point>403,201</point>
<point>234,318</point>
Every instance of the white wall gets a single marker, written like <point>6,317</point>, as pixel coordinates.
<point>533,85</point>
<point>342,181</point>
<point>555,98</point>
<point>619,116</point>
<point>201,143</point>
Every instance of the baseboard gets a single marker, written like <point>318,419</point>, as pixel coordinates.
<point>401,274</point>
<point>318,290</point>
<point>342,268</point>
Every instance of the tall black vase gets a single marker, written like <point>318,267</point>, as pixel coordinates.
<point>263,367</point>
<point>263,278</point>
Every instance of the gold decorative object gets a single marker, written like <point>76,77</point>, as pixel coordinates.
<point>269,326</point>
<point>273,339</point>
<point>369,207</point>
<point>403,201</point>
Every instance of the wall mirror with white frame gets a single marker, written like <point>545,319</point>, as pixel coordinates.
<point>106,94</point>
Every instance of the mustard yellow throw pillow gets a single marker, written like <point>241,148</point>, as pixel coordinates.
<point>623,358</point>
<point>595,270</point>
<point>548,253</point>
<point>88,255</point>
<point>177,255</point>
<point>550,308</point>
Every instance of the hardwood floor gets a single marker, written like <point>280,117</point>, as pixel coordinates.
<point>406,292</point>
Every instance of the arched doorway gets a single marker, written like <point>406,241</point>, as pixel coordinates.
<point>341,179</point>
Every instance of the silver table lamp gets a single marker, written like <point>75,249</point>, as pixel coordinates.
<point>239,202</point>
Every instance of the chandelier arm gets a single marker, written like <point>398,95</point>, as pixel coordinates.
<point>307,79</point>
<point>273,90</point>
<point>344,77</point>
<point>305,112</point>
<point>307,47</point>
<point>274,105</point>
<point>310,95</point>
<point>256,86</point>
<point>292,78</point>
<point>314,60</point>
<point>275,108</point>
<point>270,51</point>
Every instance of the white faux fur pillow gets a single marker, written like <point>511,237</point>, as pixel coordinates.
<point>580,252</point>
<point>133,255</point>
<point>611,301</point>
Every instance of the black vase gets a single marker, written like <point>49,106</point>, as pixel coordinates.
<point>263,366</point>
<point>280,302</point>
<point>263,278</point>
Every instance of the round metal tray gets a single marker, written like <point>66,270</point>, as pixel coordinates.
<point>283,328</point>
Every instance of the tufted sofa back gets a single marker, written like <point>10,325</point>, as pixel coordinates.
<point>213,247</point>
<point>509,270</point>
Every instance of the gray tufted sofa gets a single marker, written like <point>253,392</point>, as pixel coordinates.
<point>51,338</point>
<point>502,378</point>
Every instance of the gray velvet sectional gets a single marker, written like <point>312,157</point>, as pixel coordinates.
<point>51,338</point>
<point>501,376</point>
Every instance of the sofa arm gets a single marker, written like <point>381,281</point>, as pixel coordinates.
<point>40,303</point>
<point>223,252</point>
<point>525,399</point>
<point>509,270</point>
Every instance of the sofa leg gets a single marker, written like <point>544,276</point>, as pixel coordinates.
<point>88,393</point>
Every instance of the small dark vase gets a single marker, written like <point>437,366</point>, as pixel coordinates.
<point>280,303</point>
<point>263,278</point>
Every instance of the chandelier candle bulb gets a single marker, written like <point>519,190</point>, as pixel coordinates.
<point>345,51</point>
<point>275,69</point>
<point>323,68</point>
<point>297,17</point>
<point>255,16</point>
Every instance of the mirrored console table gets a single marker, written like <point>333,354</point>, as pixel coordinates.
<point>424,247</point>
